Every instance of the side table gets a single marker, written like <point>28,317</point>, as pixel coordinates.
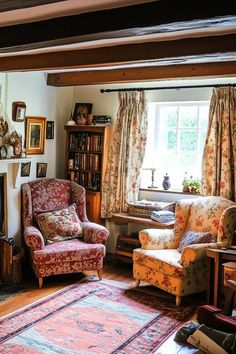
<point>215,259</point>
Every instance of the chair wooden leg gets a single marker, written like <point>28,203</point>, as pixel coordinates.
<point>100,274</point>
<point>40,282</point>
<point>178,300</point>
<point>137,282</point>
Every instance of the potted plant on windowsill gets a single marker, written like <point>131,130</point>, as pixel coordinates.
<point>191,185</point>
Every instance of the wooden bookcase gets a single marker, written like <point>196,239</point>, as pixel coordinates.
<point>85,162</point>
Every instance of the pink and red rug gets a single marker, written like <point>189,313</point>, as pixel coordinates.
<point>92,317</point>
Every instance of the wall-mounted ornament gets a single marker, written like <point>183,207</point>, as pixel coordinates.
<point>18,111</point>
<point>3,127</point>
<point>15,140</point>
<point>49,129</point>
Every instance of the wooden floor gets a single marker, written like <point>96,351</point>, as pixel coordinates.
<point>113,271</point>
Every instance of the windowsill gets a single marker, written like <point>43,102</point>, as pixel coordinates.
<point>170,191</point>
<point>161,195</point>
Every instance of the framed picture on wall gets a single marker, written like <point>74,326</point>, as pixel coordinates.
<point>25,169</point>
<point>82,110</point>
<point>41,169</point>
<point>50,129</point>
<point>18,111</point>
<point>35,135</point>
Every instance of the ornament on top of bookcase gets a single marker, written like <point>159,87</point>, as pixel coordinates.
<point>71,120</point>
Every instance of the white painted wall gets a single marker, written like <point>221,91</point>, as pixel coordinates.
<point>42,101</point>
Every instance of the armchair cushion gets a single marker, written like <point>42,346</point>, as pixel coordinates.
<point>164,261</point>
<point>68,251</point>
<point>60,225</point>
<point>192,238</point>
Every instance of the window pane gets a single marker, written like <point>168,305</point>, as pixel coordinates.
<point>188,117</point>
<point>168,116</point>
<point>188,140</point>
<point>176,138</point>
<point>202,139</point>
<point>168,140</point>
<point>203,116</point>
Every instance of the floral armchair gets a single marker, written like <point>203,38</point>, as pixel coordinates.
<point>69,256</point>
<point>159,261</point>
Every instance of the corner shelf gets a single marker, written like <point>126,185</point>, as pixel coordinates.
<point>16,168</point>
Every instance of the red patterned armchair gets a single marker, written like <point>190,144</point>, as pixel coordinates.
<point>67,256</point>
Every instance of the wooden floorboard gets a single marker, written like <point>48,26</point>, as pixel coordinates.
<point>117,271</point>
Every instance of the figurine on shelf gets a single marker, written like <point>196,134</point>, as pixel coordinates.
<point>3,127</point>
<point>81,120</point>
<point>15,140</point>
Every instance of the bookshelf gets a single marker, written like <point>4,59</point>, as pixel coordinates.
<point>85,162</point>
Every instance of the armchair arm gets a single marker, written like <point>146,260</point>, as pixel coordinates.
<point>196,252</point>
<point>154,239</point>
<point>33,238</point>
<point>94,233</point>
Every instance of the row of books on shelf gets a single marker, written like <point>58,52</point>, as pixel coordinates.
<point>85,142</point>
<point>88,180</point>
<point>82,161</point>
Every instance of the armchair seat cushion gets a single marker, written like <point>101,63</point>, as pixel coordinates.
<point>164,261</point>
<point>68,251</point>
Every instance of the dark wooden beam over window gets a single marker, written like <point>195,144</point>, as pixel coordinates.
<point>149,18</point>
<point>151,73</point>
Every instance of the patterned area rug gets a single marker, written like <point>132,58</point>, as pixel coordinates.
<point>93,317</point>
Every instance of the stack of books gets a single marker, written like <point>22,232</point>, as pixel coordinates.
<point>163,216</point>
<point>101,120</point>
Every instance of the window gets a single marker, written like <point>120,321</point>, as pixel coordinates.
<point>176,138</point>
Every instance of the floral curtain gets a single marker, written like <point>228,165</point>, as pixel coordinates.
<point>120,185</point>
<point>219,156</point>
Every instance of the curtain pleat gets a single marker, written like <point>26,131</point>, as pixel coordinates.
<point>219,156</point>
<point>120,185</point>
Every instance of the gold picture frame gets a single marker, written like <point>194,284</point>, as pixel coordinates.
<point>35,135</point>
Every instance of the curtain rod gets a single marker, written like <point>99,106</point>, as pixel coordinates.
<point>162,88</point>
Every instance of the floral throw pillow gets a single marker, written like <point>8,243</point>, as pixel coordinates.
<point>193,238</point>
<point>60,225</point>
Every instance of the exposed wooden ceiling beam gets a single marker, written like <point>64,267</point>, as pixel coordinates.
<point>6,5</point>
<point>133,53</point>
<point>149,18</point>
<point>78,78</point>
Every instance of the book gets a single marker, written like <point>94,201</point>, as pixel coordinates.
<point>162,216</point>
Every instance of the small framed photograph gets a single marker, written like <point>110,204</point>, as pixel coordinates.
<point>25,169</point>
<point>49,129</point>
<point>41,169</point>
<point>82,110</point>
<point>35,135</point>
<point>18,111</point>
